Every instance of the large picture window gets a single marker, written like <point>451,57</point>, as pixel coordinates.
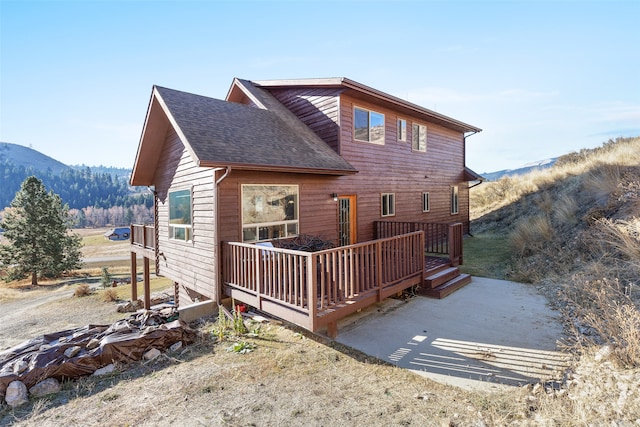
<point>419,138</point>
<point>368,126</point>
<point>180,215</point>
<point>269,212</point>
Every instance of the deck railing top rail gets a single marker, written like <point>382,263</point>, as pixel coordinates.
<point>143,236</point>
<point>439,238</point>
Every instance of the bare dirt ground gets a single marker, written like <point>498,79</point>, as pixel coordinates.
<point>27,311</point>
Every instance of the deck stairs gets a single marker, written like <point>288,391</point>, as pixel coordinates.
<point>442,279</point>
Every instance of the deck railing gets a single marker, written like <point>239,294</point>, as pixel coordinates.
<point>315,289</point>
<point>440,238</point>
<point>143,236</point>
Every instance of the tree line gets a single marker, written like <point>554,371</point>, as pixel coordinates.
<point>78,188</point>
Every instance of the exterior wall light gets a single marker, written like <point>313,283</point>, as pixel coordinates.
<point>335,196</point>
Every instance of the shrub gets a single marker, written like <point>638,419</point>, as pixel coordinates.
<point>82,290</point>
<point>105,279</point>
<point>606,315</point>
<point>110,295</point>
<point>531,234</point>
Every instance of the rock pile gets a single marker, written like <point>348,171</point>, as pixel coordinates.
<point>91,349</point>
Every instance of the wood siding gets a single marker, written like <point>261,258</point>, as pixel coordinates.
<point>395,168</point>
<point>390,168</point>
<point>318,108</point>
<point>317,211</point>
<point>191,264</point>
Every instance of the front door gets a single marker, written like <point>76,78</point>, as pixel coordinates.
<point>346,220</point>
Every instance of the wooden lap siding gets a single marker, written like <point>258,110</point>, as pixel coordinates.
<point>189,263</point>
<point>316,209</point>
<point>395,168</point>
<point>317,108</point>
<point>389,168</point>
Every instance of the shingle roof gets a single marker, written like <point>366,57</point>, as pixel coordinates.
<point>222,133</point>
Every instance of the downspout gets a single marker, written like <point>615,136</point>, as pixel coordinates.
<point>216,242</point>
<point>464,145</point>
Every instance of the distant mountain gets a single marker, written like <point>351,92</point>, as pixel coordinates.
<point>78,186</point>
<point>25,156</point>
<point>541,164</point>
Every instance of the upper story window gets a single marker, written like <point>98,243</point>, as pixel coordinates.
<point>454,199</point>
<point>419,137</point>
<point>402,130</point>
<point>426,203</point>
<point>269,212</point>
<point>180,215</point>
<point>388,204</point>
<point>368,126</point>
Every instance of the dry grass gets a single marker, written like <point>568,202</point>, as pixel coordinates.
<point>575,231</point>
<point>110,295</point>
<point>82,290</point>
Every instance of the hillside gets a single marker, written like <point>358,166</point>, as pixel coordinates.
<point>80,187</point>
<point>28,157</point>
<point>573,230</point>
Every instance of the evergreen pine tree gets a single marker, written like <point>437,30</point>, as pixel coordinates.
<point>37,228</point>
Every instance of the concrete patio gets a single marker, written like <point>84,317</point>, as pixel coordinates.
<point>487,335</point>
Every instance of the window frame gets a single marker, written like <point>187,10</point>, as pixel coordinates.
<point>413,137</point>
<point>389,205</point>
<point>455,200</point>
<point>426,202</point>
<point>257,226</point>
<point>402,136</point>
<point>174,228</point>
<point>369,127</point>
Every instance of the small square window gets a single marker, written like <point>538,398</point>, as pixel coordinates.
<point>425,202</point>
<point>402,130</point>
<point>368,126</point>
<point>388,204</point>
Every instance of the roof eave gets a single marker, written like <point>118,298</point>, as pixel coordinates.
<point>369,91</point>
<point>276,168</point>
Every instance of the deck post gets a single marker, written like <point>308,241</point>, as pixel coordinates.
<point>455,244</point>
<point>312,294</point>
<point>147,285</point>
<point>332,330</point>
<point>379,280</point>
<point>134,277</point>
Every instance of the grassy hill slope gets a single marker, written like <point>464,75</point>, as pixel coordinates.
<point>581,216</point>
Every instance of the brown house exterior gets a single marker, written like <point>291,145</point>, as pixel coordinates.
<point>276,159</point>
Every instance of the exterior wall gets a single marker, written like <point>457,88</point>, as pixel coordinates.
<point>390,168</point>
<point>317,212</point>
<point>191,264</point>
<point>395,168</point>
<point>317,108</point>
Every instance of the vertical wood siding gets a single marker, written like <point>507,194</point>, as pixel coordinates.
<point>191,264</point>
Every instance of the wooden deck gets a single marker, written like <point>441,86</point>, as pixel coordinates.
<point>316,289</point>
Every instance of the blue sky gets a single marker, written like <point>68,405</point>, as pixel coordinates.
<point>540,78</point>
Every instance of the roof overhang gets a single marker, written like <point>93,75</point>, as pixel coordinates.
<point>470,175</point>
<point>154,131</point>
<point>364,92</point>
